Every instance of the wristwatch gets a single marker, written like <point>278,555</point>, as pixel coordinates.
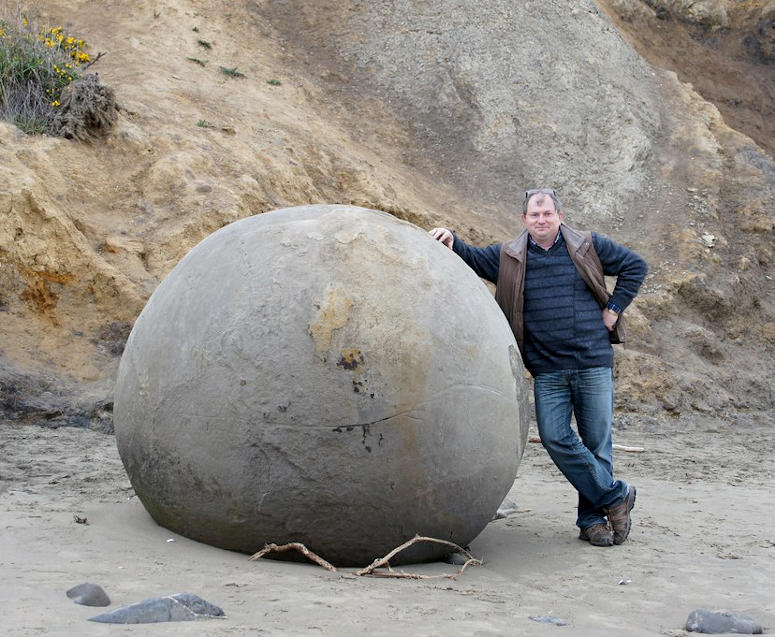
<point>613,308</point>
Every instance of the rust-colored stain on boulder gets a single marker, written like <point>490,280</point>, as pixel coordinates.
<point>331,315</point>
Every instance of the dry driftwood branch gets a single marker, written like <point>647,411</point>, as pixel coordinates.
<point>402,574</point>
<point>468,563</point>
<point>385,561</point>
<point>615,446</point>
<point>378,563</point>
<point>294,546</point>
<point>629,449</point>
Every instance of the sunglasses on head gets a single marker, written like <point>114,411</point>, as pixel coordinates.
<point>542,191</point>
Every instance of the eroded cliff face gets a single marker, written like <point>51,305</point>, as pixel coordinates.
<point>724,48</point>
<point>442,116</point>
<point>722,54</point>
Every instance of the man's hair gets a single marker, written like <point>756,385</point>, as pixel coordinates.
<point>541,192</point>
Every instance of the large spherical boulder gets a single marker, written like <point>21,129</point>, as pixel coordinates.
<point>327,375</point>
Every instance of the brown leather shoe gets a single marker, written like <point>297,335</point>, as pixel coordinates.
<point>619,516</point>
<point>597,535</point>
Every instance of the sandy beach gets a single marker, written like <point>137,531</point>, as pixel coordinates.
<point>702,538</point>
<point>652,119</point>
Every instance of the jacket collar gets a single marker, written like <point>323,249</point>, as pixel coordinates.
<point>578,242</point>
<point>516,247</point>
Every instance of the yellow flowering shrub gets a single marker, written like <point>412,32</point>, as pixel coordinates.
<point>36,65</point>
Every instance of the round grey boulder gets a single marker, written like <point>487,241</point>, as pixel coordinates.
<point>327,375</point>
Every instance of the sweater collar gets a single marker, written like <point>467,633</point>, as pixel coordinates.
<point>535,244</point>
<point>517,247</point>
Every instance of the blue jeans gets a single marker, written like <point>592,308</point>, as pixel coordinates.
<point>586,459</point>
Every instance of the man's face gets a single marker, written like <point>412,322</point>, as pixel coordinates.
<point>542,219</point>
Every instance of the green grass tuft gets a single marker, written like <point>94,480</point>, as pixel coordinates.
<point>231,72</point>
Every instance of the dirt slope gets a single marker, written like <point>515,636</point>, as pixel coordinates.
<point>440,115</point>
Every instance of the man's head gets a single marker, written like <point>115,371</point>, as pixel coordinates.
<point>542,215</point>
<point>541,193</point>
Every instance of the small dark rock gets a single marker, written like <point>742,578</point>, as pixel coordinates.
<point>89,595</point>
<point>721,621</point>
<point>456,559</point>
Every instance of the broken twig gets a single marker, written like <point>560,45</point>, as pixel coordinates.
<point>99,55</point>
<point>378,563</point>
<point>629,449</point>
<point>402,574</point>
<point>385,561</point>
<point>615,446</point>
<point>294,546</point>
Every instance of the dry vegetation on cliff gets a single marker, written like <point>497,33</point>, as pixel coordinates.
<point>43,87</point>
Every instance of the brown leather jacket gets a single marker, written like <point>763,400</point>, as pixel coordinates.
<point>511,278</point>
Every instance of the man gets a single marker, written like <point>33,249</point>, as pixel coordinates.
<point>563,333</point>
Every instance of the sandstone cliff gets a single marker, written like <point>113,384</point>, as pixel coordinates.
<point>439,113</point>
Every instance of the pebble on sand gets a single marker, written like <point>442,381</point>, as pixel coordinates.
<point>548,619</point>
<point>721,621</point>
<point>456,559</point>
<point>508,507</point>
<point>89,595</point>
